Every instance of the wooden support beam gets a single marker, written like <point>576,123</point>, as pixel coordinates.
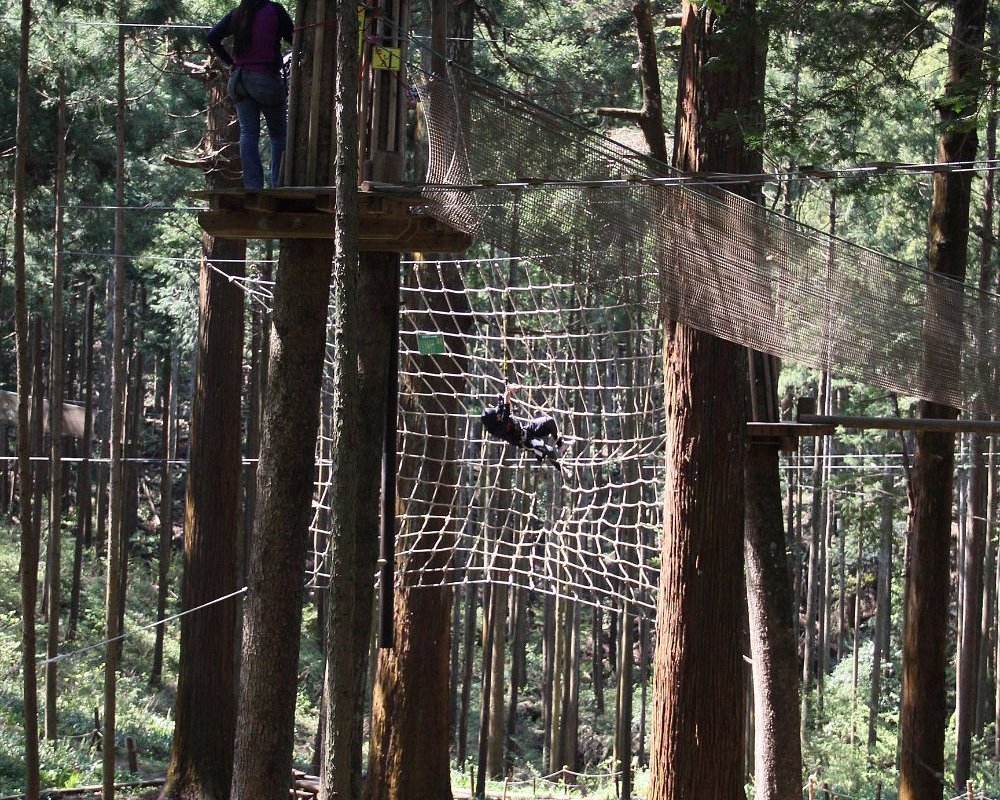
<point>388,222</point>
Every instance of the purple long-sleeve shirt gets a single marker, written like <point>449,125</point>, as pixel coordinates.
<point>271,24</point>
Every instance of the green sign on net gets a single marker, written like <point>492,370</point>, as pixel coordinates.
<point>430,344</point>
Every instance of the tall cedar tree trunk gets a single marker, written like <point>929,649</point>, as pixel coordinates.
<point>166,518</point>
<point>28,566</point>
<point>201,765</point>
<point>286,470</point>
<point>408,751</point>
<point>56,368</point>
<point>119,379</point>
<point>83,488</point>
<point>923,710</point>
<point>699,701</point>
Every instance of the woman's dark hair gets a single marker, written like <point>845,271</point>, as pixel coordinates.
<point>243,17</point>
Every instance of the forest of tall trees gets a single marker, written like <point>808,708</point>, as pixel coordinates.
<point>263,545</point>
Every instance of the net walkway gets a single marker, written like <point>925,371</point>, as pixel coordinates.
<point>528,181</point>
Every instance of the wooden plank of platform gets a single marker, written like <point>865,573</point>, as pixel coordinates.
<point>786,433</point>
<point>389,222</point>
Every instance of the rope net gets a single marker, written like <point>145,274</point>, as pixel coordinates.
<point>473,509</point>
<point>703,256</point>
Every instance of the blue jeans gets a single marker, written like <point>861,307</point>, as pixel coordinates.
<point>256,93</point>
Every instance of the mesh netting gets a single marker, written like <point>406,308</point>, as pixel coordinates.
<point>708,258</point>
<point>475,510</point>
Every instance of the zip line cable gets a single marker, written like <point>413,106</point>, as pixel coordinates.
<point>157,623</point>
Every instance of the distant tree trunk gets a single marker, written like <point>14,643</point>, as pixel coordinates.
<point>135,396</point>
<point>812,643</point>
<point>485,694</point>
<point>597,659</point>
<point>119,379</point>
<point>56,367</point>
<point>83,487</point>
<point>468,658</point>
<point>858,576</point>
<point>882,608</point>
<point>778,757</point>
<point>623,702</point>
<point>518,646</point>
<point>986,283</point>
<point>498,615</point>
<point>971,618</point>
<point>644,653</point>
<point>698,678</point>
<point>38,441</point>
<point>166,519</point>
<point>923,709</point>
<point>28,566</point>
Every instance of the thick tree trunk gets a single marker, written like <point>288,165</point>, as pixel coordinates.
<point>201,764</point>
<point>408,753</point>
<point>698,710</point>
<point>923,710</point>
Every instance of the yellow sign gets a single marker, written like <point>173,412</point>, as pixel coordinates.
<point>382,57</point>
<point>385,58</point>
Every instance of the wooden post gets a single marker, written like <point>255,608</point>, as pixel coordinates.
<point>968,789</point>
<point>132,749</point>
<point>812,788</point>
<point>878,791</point>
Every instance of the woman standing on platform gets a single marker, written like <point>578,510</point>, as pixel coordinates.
<point>256,84</point>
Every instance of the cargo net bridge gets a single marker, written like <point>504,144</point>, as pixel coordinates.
<point>598,243</point>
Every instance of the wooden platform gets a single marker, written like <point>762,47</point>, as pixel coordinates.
<point>389,222</point>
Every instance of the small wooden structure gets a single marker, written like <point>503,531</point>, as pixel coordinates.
<point>809,423</point>
<point>389,221</point>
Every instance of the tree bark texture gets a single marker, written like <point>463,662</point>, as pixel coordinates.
<point>119,379</point>
<point>272,616</point>
<point>166,518</point>
<point>778,757</point>
<point>205,711</point>
<point>356,448</point>
<point>923,709</point>
<point>56,372</point>
<point>409,747</point>
<point>201,758</point>
<point>698,709</point>
<point>28,564</point>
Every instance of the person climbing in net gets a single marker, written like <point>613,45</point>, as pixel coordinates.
<point>540,434</point>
